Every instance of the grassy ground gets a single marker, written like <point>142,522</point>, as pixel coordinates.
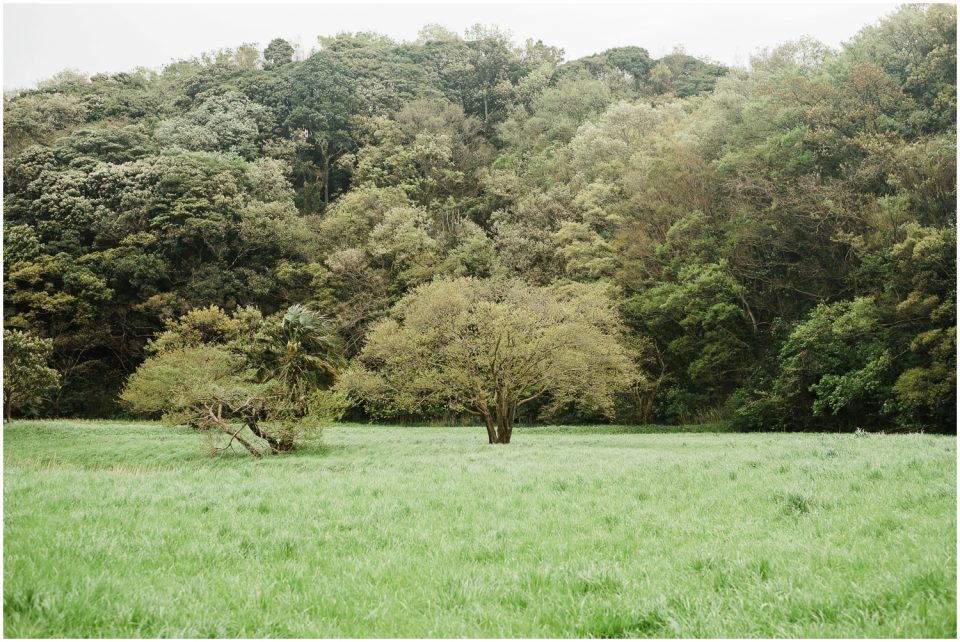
<point>126,530</point>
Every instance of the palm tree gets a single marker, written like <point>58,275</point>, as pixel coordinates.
<point>308,355</point>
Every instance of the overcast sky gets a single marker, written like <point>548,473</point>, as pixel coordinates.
<point>42,39</point>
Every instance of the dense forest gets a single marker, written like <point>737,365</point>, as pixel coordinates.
<point>778,242</point>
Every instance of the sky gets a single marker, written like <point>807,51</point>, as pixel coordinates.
<point>41,39</point>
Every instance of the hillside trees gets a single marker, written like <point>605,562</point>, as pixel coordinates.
<point>429,148</point>
<point>118,246</point>
<point>741,218</point>
<point>889,357</point>
<point>278,53</point>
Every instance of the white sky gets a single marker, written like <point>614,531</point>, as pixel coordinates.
<point>42,39</point>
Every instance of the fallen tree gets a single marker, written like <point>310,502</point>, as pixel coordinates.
<point>208,388</point>
<point>223,374</point>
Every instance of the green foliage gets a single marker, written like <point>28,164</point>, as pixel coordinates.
<point>299,350</point>
<point>836,363</point>
<point>210,369</point>
<point>195,328</point>
<point>206,387</point>
<point>925,265</point>
<point>430,149</point>
<point>225,123</point>
<point>737,215</point>
<point>917,47</point>
<point>490,347</point>
<point>172,382</point>
<point>27,379</point>
<point>278,53</point>
<point>700,318</point>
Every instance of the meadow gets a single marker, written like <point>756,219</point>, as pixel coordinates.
<point>131,529</point>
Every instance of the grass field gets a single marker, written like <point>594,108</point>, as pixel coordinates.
<point>127,530</point>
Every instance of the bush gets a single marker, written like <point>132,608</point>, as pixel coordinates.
<point>27,380</point>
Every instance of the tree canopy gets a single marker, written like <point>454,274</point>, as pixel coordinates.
<point>778,240</point>
<point>488,347</point>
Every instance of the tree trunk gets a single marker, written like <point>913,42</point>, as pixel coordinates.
<point>504,428</point>
<point>491,431</point>
<point>243,442</point>
<point>326,179</point>
<point>498,420</point>
<point>216,419</point>
<point>234,434</point>
<point>646,408</point>
<point>275,444</point>
<point>506,413</point>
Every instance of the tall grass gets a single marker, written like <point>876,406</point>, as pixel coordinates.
<point>127,530</point>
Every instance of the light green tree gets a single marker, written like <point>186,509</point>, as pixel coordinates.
<point>221,373</point>
<point>207,387</point>
<point>487,347</point>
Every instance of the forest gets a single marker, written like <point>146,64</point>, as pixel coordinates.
<point>626,238</point>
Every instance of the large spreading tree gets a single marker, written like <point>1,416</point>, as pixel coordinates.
<point>489,346</point>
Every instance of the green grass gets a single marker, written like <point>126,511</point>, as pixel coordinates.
<point>127,530</point>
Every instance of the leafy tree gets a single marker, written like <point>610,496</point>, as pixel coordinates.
<point>487,347</point>
<point>37,117</point>
<point>228,123</point>
<point>835,365</point>
<point>325,103</point>
<point>278,53</point>
<point>299,350</point>
<point>199,326</point>
<point>27,379</point>
<point>154,237</point>
<point>429,148</point>
<point>682,75</point>
<point>917,47</point>
<point>888,358</point>
<point>701,323</point>
<point>351,219</point>
<point>555,113</point>
<point>924,265</point>
<point>352,75</point>
<point>491,57</point>
<point>60,298</point>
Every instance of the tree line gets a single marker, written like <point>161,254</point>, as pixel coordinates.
<point>664,240</point>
